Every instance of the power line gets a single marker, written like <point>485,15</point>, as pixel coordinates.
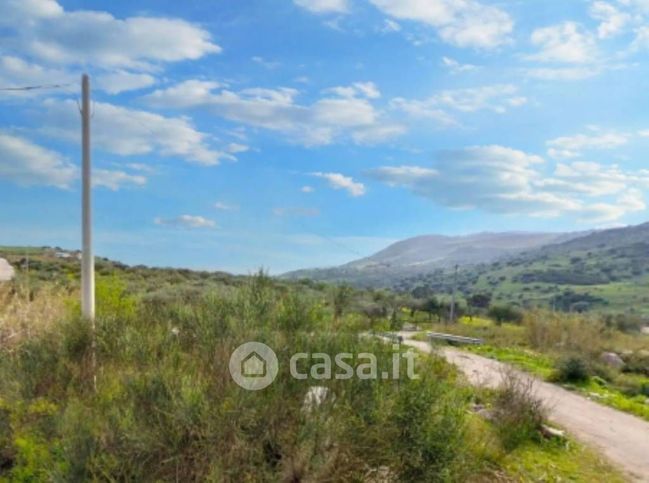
<point>37,87</point>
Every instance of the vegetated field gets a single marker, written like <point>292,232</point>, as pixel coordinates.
<point>166,409</point>
<point>567,349</point>
<point>605,272</point>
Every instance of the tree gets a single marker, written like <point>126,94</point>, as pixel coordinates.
<point>505,313</point>
<point>432,306</point>
<point>478,301</point>
<point>341,297</point>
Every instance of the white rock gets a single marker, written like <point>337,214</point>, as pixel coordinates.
<point>611,359</point>
<point>314,397</point>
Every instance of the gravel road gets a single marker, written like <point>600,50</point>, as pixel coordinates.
<point>621,437</point>
<point>6,270</point>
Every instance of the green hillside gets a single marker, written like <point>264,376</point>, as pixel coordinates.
<point>604,271</point>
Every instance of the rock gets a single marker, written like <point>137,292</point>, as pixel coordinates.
<point>314,397</point>
<point>550,432</point>
<point>611,359</point>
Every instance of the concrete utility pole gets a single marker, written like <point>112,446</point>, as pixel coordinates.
<point>452,314</point>
<point>87,256</point>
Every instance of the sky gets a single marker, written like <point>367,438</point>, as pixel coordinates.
<point>285,134</point>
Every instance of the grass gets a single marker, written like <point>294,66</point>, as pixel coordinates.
<point>166,409</point>
<point>526,359</point>
<point>543,461</point>
<point>511,344</point>
<point>559,461</point>
<point>543,366</point>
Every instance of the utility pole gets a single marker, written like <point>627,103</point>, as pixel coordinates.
<point>452,314</point>
<point>87,256</point>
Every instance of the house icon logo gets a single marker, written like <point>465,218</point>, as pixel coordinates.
<point>253,366</point>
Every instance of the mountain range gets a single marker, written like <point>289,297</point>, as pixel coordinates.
<point>427,253</point>
<point>603,269</point>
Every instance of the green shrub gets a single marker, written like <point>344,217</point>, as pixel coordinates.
<point>572,369</point>
<point>505,313</point>
<point>518,414</point>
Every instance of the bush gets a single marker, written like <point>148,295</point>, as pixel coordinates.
<point>572,369</point>
<point>166,408</point>
<point>505,313</point>
<point>518,413</point>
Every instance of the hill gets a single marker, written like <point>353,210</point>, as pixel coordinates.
<point>606,270</point>
<point>423,254</point>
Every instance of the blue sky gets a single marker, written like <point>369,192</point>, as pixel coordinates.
<point>297,133</point>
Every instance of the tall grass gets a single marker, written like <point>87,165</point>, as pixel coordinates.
<point>166,408</point>
<point>565,332</point>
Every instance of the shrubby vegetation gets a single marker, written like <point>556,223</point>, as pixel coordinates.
<point>166,408</point>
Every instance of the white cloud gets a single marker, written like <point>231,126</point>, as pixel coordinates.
<point>377,133</point>
<point>323,6</point>
<point>223,206</point>
<point>390,26</point>
<point>114,180</point>
<point>367,89</point>
<point>122,81</point>
<point>423,109</point>
<point>268,64</point>
<point>16,72</point>
<point>26,163</point>
<point>641,40</point>
<point>463,23</point>
<point>566,42</point>
<point>456,67</point>
<point>307,189</point>
<point>338,181</point>
<point>45,29</point>
<point>186,221</point>
<point>126,132</point>
<point>144,168</point>
<point>236,148</point>
<point>595,179</point>
<point>612,20</point>
<point>360,89</point>
<point>345,111</point>
<point>496,98</point>
<point>562,73</point>
<point>571,146</point>
<point>502,180</point>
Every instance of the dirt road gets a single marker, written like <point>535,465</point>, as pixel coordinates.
<point>6,270</point>
<point>623,438</point>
